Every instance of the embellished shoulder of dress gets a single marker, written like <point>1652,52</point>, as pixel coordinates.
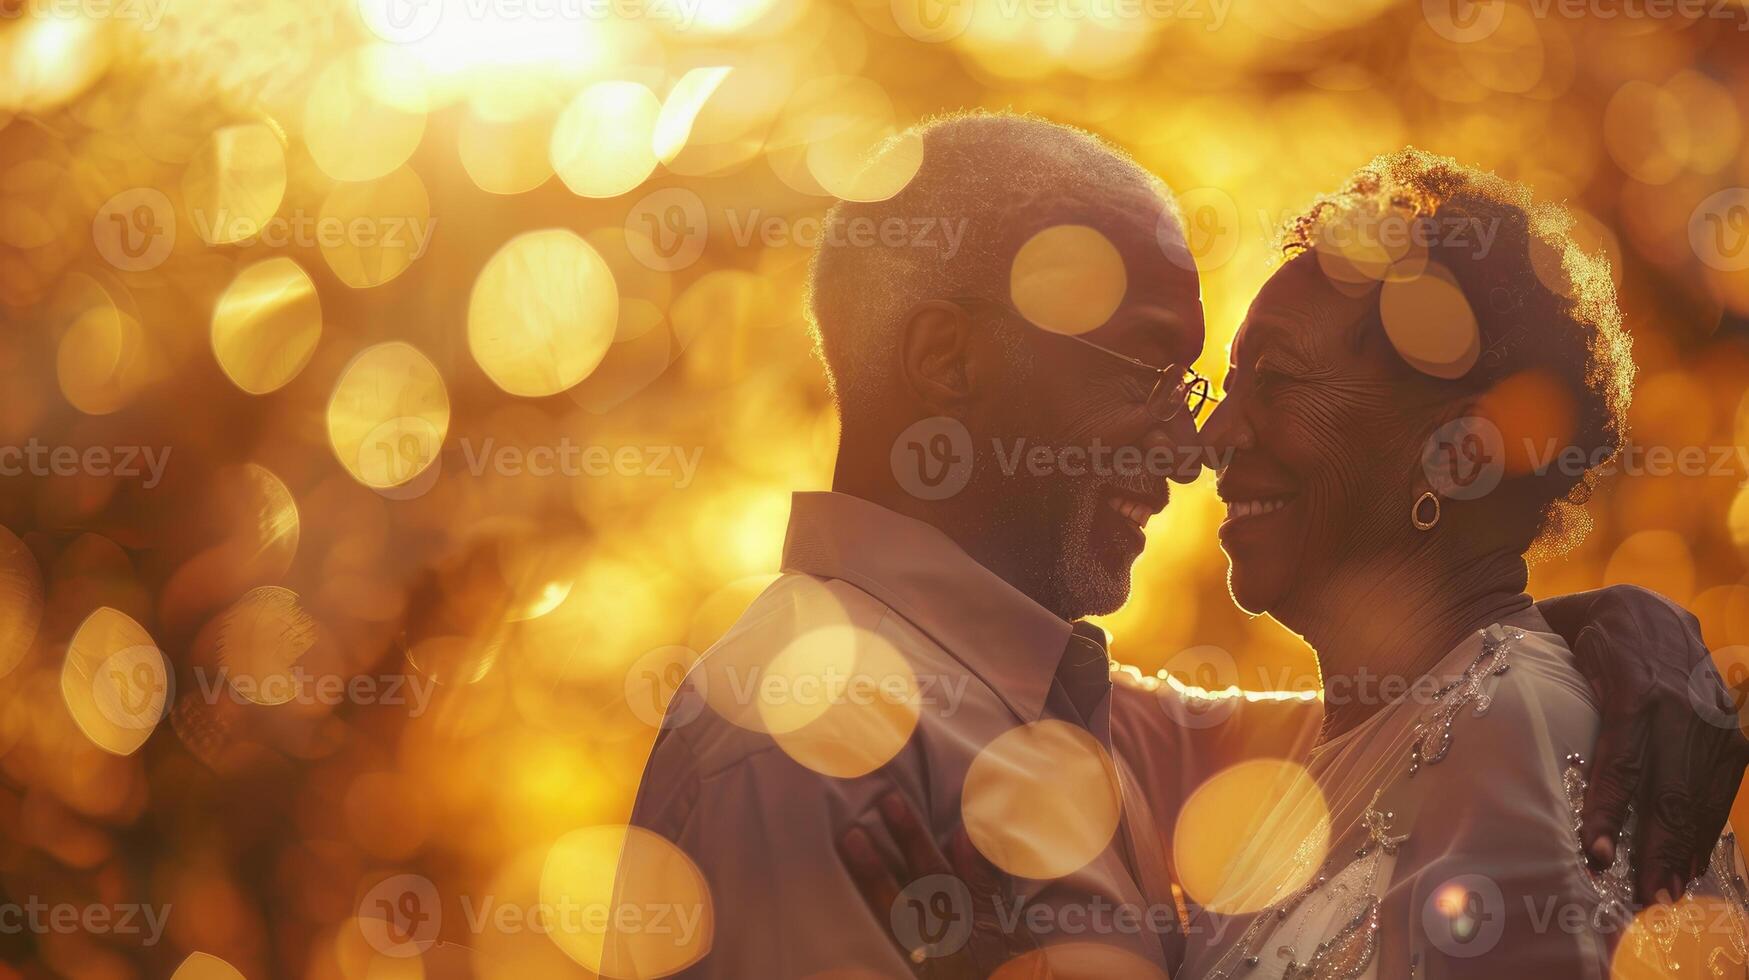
<point>1708,927</point>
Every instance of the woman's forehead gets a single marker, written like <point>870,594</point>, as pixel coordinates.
<point>1299,304</point>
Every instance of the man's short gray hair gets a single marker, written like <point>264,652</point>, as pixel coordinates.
<point>987,183</point>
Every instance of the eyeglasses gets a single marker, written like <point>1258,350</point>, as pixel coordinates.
<point>1176,389</point>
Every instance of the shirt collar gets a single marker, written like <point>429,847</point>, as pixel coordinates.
<point>1010,642</point>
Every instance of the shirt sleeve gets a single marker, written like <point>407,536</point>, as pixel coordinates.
<point>761,830</point>
<point>1174,737</point>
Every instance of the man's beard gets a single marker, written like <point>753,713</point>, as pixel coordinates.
<point>1059,559</point>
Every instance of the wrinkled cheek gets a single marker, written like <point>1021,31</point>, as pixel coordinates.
<point>1335,468</point>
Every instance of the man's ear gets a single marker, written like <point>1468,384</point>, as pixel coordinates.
<point>934,347</point>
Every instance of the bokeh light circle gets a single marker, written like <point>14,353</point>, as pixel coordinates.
<point>388,416</point>
<point>603,143</point>
<point>235,184</point>
<point>543,313</point>
<point>1251,835</point>
<point>266,325</point>
<point>1067,279</point>
<point>841,700</point>
<point>640,907</point>
<point>1430,323</point>
<point>1041,800</point>
<point>115,681</point>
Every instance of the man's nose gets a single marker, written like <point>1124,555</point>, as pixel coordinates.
<point>1177,442</point>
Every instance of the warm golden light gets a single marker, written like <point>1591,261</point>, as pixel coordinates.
<point>1251,835</point>
<point>115,682</point>
<point>1041,800</point>
<point>21,601</point>
<point>642,907</point>
<point>1068,279</point>
<point>542,313</point>
<point>266,324</point>
<point>354,129</point>
<point>371,232</point>
<point>205,966</point>
<point>602,144</point>
<point>261,639</point>
<point>841,700</point>
<point>388,416</point>
<point>1430,322</point>
<point>235,184</point>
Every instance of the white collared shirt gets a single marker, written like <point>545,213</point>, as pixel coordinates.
<point>762,827</point>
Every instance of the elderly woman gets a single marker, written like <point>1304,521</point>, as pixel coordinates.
<point>1386,429</point>
<point>1389,399</point>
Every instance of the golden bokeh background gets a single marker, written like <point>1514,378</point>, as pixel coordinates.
<point>403,393</point>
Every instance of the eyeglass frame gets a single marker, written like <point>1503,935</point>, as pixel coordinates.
<point>1189,382</point>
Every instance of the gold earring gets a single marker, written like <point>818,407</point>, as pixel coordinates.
<point>1415,511</point>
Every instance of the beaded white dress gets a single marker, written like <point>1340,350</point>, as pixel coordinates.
<point>1453,846</point>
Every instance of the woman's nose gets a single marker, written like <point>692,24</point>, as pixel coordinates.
<point>1225,431</point>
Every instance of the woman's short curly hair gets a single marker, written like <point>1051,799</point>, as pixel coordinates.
<point>1541,302</point>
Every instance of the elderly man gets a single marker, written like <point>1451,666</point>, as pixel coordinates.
<point>926,634</point>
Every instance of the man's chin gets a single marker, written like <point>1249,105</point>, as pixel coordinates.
<point>1099,586</point>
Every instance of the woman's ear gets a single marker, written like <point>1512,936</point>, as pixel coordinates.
<point>934,347</point>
